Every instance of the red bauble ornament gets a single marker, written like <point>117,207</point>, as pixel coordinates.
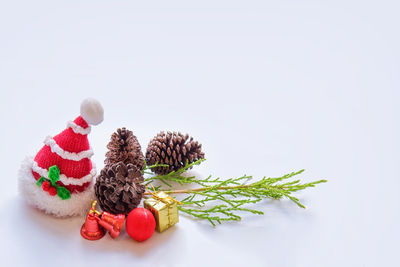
<point>52,191</point>
<point>140,224</point>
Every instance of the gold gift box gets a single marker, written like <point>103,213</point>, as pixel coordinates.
<point>164,209</point>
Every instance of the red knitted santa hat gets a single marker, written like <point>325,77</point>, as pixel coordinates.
<point>59,179</point>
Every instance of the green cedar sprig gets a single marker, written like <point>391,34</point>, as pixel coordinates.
<point>174,176</point>
<point>219,200</point>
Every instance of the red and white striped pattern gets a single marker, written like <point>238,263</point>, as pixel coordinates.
<point>71,152</point>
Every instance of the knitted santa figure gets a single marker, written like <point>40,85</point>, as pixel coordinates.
<point>59,180</point>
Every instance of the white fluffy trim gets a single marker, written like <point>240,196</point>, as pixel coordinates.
<point>78,129</point>
<point>55,148</point>
<point>64,179</point>
<point>78,204</point>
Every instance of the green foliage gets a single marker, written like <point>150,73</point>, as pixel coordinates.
<point>40,181</point>
<point>63,193</point>
<point>174,176</point>
<point>54,174</point>
<point>219,200</point>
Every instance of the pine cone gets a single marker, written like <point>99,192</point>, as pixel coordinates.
<point>173,149</point>
<point>118,188</point>
<point>124,147</point>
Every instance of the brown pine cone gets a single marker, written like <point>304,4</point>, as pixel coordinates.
<point>119,188</point>
<point>173,149</point>
<point>124,147</point>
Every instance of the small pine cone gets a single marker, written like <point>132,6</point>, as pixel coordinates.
<point>124,147</point>
<point>174,149</point>
<point>119,188</point>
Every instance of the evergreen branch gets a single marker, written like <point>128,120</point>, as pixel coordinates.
<point>174,176</point>
<point>149,167</point>
<point>233,193</point>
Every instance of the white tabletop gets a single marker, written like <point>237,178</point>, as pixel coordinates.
<point>268,87</point>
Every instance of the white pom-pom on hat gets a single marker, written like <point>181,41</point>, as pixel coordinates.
<point>92,111</point>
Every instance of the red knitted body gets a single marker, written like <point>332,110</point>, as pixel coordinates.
<point>77,169</point>
<point>81,122</point>
<point>71,141</point>
<point>68,141</point>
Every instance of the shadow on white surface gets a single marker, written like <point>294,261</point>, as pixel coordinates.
<point>31,225</point>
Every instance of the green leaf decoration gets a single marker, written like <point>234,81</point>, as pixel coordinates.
<point>54,174</point>
<point>217,200</point>
<point>40,181</point>
<point>63,193</point>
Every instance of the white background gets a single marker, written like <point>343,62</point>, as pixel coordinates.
<point>268,87</point>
